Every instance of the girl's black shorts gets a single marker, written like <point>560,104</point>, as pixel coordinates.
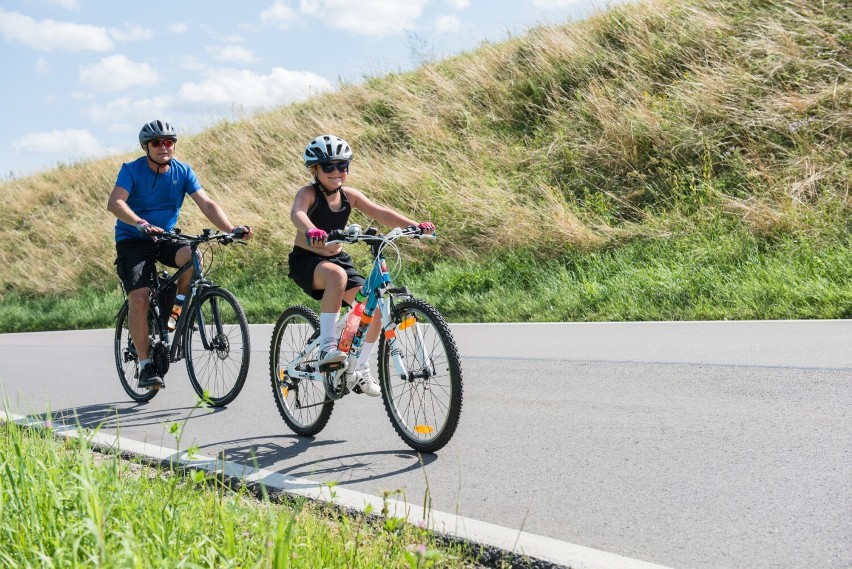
<point>303,263</point>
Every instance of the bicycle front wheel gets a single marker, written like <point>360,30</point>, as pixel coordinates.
<point>302,403</point>
<point>217,346</point>
<point>126,358</point>
<point>423,396</point>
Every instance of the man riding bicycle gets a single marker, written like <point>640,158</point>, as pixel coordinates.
<point>146,201</point>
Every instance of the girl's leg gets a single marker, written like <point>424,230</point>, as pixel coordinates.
<point>367,384</point>
<point>332,280</point>
<point>370,339</point>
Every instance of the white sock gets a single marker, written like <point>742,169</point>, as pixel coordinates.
<point>143,363</point>
<point>327,322</point>
<point>366,352</point>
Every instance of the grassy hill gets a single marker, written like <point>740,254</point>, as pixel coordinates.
<point>682,159</point>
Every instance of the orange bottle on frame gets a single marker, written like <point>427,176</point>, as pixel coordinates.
<point>351,327</point>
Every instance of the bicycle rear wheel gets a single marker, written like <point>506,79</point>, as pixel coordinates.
<point>126,358</point>
<point>424,406</point>
<point>302,403</point>
<point>219,367</point>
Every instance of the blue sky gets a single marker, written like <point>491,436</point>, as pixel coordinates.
<point>82,76</point>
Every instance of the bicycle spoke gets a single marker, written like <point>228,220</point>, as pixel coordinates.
<point>126,358</point>
<point>425,405</point>
<point>302,403</point>
<point>217,346</point>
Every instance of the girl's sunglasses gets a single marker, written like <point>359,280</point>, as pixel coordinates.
<point>167,142</point>
<point>329,167</point>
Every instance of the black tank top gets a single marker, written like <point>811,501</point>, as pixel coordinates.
<point>325,218</point>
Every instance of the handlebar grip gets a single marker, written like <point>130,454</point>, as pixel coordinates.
<point>336,235</point>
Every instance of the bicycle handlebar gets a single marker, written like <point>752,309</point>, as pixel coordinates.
<point>353,234</point>
<point>207,235</point>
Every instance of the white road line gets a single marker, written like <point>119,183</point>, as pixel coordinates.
<point>454,526</point>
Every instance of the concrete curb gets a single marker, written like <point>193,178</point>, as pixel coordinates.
<point>495,543</point>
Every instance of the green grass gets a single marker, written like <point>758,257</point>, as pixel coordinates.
<point>715,269</point>
<point>701,276</point>
<point>63,506</point>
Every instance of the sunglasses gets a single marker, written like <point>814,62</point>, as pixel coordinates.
<point>329,167</point>
<point>157,142</point>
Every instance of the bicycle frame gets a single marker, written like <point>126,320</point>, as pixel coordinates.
<point>197,283</point>
<point>379,293</point>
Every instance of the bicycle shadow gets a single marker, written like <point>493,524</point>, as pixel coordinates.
<point>116,415</point>
<point>278,453</point>
<point>268,453</point>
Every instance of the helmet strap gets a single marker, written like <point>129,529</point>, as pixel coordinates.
<point>322,188</point>
<point>159,164</point>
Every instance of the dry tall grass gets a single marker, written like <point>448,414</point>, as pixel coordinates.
<point>572,136</point>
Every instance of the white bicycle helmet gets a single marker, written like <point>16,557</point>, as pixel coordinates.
<point>326,148</point>
<point>156,129</point>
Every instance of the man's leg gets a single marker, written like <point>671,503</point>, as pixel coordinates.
<point>182,257</point>
<point>137,320</point>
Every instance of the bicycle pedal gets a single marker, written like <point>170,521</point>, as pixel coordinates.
<point>332,366</point>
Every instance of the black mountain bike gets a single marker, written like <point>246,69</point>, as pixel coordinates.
<point>211,333</point>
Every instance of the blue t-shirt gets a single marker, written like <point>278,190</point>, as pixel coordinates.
<point>156,198</point>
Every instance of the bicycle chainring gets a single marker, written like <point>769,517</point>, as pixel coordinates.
<point>335,384</point>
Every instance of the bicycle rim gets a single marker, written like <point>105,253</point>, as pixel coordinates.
<point>302,403</point>
<point>425,406</point>
<point>218,370</point>
<point>126,359</point>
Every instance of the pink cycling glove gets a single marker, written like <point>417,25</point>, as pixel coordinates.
<point>315,234</point>
<point>427,227</point>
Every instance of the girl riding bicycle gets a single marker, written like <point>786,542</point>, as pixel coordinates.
<point>324,271</point>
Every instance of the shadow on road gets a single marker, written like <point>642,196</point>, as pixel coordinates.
<point>284,454</point>
<point>117,415</point>
<point>274,453</point>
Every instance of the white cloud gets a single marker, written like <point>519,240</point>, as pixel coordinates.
<point>67,4</point>
<point>116,72</point>
<point>231,54</point>
<point>131,32</point>
<point>41,66</point>
<point>227,87</point>
<point>458,4</point>
<point>367,17</point>
<point>73,142</point>
<point>49,35</point>
<point>447,24</point>
<point>192,63</point>
<point>554,4</point>
<point>129,110</point>
<point>562,4</point>
<point>279,15</point>
<point>178,28</point>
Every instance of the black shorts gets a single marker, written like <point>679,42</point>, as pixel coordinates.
<point>303,263</point>
<point>135,258</point>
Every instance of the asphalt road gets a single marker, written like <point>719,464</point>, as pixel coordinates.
<point>695,445</point>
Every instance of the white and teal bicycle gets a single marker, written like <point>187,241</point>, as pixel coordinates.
<point>419,367</point>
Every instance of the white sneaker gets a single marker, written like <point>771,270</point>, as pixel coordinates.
<point>329,354</point>
<point>365,383</point>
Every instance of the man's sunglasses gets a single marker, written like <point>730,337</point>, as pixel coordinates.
<point>329,167</point>
<point>157,142</point>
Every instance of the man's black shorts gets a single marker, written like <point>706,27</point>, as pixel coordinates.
<point>135,258</point>
<point>303,263</point>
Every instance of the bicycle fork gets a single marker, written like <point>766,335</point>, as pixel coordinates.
<point>390,330</point>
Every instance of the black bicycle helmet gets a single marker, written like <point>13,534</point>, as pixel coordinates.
<point>326,148</point>
<point>156,129</point>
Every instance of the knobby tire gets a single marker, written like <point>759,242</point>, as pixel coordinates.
<point>302,404</point>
